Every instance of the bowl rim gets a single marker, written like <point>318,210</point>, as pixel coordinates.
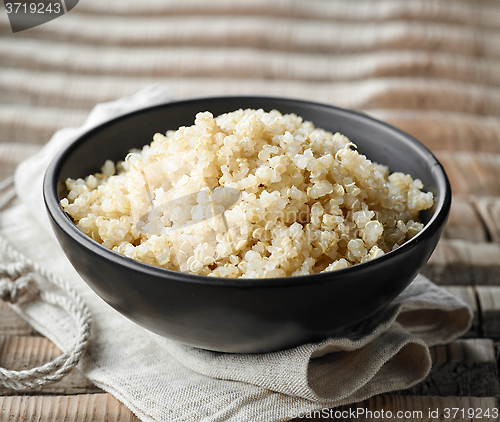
<point>60,218</point>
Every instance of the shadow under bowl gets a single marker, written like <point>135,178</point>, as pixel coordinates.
<point>245,315</point>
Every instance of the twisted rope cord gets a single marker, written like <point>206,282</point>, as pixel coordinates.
<point>18,281</point>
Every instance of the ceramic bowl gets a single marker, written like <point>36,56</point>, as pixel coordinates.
<point>245,315</point>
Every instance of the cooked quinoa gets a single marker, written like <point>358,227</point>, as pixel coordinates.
<point>306,201</point>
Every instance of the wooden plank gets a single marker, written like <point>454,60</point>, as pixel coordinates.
<point>425,405</point>
<point>22,54</point>
<point>485,16</point>
<point>472,173</point>
<point>477,350</point>
<point>79,408</point>
<point>484,259</point>
<point>105,408</point>
<point>447,131</point>
<point>450,264</point>
<point>489,303</point>
<point>488,208</point>
<point>458,262</point>
<point>411,409</point>
<point>461,368</point>
<point>36,125</point>
<point>11,154</point>
<point>25,352</point>
<point>464,222</point>
<point>12,324</point>
<point>436,95</point>
<point>273,34</point>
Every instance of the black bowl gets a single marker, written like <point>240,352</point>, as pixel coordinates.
<point>245,315</point>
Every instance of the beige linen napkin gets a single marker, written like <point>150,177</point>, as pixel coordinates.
<point>161,380</point>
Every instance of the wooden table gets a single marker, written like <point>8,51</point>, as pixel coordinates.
<point>464,374</point>
<point>429,67</point>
